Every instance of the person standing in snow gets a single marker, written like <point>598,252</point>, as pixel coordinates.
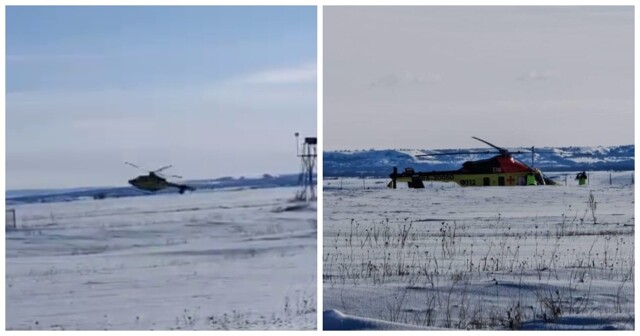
<point>582,178</point>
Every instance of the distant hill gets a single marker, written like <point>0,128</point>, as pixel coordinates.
<point>378,163</point>
<point>33,192</point>
<point>224,183</point>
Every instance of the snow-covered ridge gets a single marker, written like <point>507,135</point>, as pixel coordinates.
<point>224,183</point>
<point>380,162</point>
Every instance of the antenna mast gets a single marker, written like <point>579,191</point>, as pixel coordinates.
<point>533,153</point>
<point>308,157</point>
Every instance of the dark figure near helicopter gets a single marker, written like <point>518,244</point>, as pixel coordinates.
<point>582,178</point>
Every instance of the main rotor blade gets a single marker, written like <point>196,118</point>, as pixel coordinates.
<point>535,150</point>
<point>168,176</point>
<point>490,144</point>
<point>163,168</point>
<point>456,153</point>
<point>550,152</point>
<point>133,165</point>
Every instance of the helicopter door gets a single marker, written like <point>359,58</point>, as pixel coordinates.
<point>486,181</point>
<point>500,180</point>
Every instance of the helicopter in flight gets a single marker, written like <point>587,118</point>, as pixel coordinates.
<point>499,170</point>
<point>155,181</point>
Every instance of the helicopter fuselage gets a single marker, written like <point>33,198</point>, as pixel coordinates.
<point>465,180</point>
<point>500,170</point>
<point>155,183</point>
<point>149,183</point>
<point>497,171</point>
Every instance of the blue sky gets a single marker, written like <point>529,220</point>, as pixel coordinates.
<point>212,90</point>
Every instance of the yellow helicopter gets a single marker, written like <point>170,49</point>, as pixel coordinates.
<point>500,170</point>
<point>155,181</point>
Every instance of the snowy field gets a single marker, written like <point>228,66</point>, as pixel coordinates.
<point>548,257</point>
<point>205,260</point>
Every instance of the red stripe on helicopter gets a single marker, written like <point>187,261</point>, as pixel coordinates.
<point>509,165</point>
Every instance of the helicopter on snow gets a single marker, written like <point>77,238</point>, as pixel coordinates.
<point>500,170</point>
<point>155,181</point>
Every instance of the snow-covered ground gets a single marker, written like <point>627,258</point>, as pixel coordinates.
<point>205,260</point>
<point>489,258</point>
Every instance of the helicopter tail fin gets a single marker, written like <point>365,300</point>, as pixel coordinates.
<point>416,183</point>
<point>184,188</point>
